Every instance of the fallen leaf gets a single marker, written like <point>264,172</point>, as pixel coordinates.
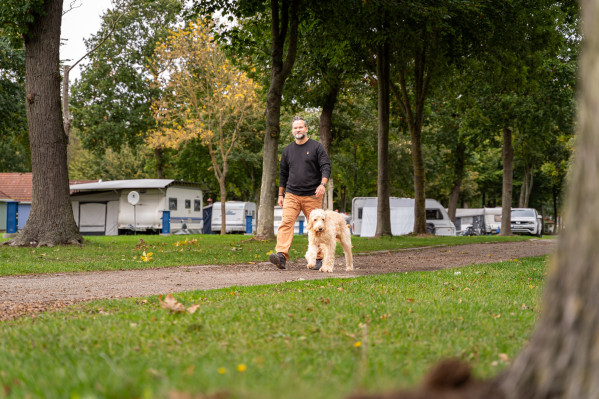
<point>170,303</point>
<point>503,357</point>
<point>192,309</point>
<point>410,300</point>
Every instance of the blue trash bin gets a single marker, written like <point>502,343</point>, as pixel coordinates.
<point>166,222</point>
<point>12,217</point>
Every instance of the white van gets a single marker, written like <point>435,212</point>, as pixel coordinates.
<point>236,213</point>
<point>364,217</point>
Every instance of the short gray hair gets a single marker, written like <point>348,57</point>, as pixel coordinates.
<point>299,118</point>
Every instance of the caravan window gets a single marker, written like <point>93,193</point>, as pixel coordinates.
<point>360,213</point>
<point>197,205</point>
<point>172,204</point>
<point>434,214</point>
<point>187,204</point>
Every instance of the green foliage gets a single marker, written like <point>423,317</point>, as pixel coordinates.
<point>14,140</point>
<point>111,102</point>
<point>316,339</point>
<point>16,17</point>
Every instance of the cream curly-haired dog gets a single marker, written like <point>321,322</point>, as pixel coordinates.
<point>324,229</point>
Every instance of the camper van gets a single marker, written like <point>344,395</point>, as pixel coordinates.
<point>236,213</point>
<point>105,208</point>
<point>364,217</point>
<point>296,229</point>
<point>478,220</point>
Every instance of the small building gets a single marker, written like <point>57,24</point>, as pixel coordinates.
<point>16,187</point>
<point>108,208</point>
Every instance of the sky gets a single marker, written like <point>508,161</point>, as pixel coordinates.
<point>78,24</point>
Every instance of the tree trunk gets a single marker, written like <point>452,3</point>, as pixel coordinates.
<point>223,201</point>
<point>159,163</point>
<point>51,220</point>
<point>561,359</point>
<point>383,222</point>
<point>507,155</point>
<point>526,188</point>
<point>325,124</point>
<point>458,176</point>
<point>278,74</point>
<point>414,114</point>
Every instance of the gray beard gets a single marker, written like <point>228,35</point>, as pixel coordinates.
<point>299,136</point>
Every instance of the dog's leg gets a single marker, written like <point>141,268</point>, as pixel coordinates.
<point>328,261</point>
<point>312,252</point>
<point>346,245</point>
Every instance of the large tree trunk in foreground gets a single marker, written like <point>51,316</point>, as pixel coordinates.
<point>51,220</point>
<point>508,177</point>
<point>383,216</point>
<point>279,71</point>
<point>562,359</point>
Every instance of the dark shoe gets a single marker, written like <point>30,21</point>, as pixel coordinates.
<point>318,264</point>
<point>278,260</point>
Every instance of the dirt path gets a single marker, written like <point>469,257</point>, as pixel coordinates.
<point>34,293</point>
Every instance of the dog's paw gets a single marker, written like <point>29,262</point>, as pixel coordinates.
<point>310,266</point>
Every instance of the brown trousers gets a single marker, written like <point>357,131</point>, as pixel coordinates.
<point>292,205</point>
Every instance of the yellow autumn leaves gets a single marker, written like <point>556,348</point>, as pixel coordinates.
<point>203,95</point>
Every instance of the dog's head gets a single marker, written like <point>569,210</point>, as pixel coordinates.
<point>317,221</point>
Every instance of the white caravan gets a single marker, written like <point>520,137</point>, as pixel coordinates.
<point>296,229</point>
<point>236,213</point>
<point>364,217</point>
<point>103,208</point>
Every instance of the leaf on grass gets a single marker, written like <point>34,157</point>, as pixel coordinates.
<point>146,257</point>
<point>503,357</point>
<point>193,308</point>
<point>410,300</point>
<point>170,303</point>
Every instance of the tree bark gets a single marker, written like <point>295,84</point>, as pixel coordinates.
<point>414,114</point>
<point>561,359</point>
<point>325,127</point>
<point>458,176</point>
<point>526,188</point>
<point>507,155</point>
<point>278,74</point>
<point>383,223</point>
<point>51,220</point>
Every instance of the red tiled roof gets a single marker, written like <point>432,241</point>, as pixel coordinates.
<point>3,196</point>
<point>19,186</point>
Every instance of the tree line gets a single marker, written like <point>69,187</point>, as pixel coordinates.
<point>458,101</point>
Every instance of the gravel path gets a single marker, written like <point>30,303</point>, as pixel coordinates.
<point>34,293</point>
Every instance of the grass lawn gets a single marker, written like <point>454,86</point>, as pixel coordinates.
<point>306,339</point>
<point>125,252</point>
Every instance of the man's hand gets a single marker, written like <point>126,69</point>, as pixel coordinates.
<point>320,190</point>
<point>280,201</point>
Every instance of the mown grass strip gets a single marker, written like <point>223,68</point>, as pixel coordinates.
<point>125,252</point>
<point>317,339</point>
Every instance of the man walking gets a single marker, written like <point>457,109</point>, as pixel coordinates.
<point>305,171</point>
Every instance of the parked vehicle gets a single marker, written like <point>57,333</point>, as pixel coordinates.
<point>104,208</point>
<point>526,221</point>
<point>364,217</point>
<point>236,213</point>
<point>479,220</point>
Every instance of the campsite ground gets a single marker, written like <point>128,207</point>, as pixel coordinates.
<point>35,293</point>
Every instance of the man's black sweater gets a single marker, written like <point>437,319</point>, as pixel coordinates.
<point>303,167</point>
